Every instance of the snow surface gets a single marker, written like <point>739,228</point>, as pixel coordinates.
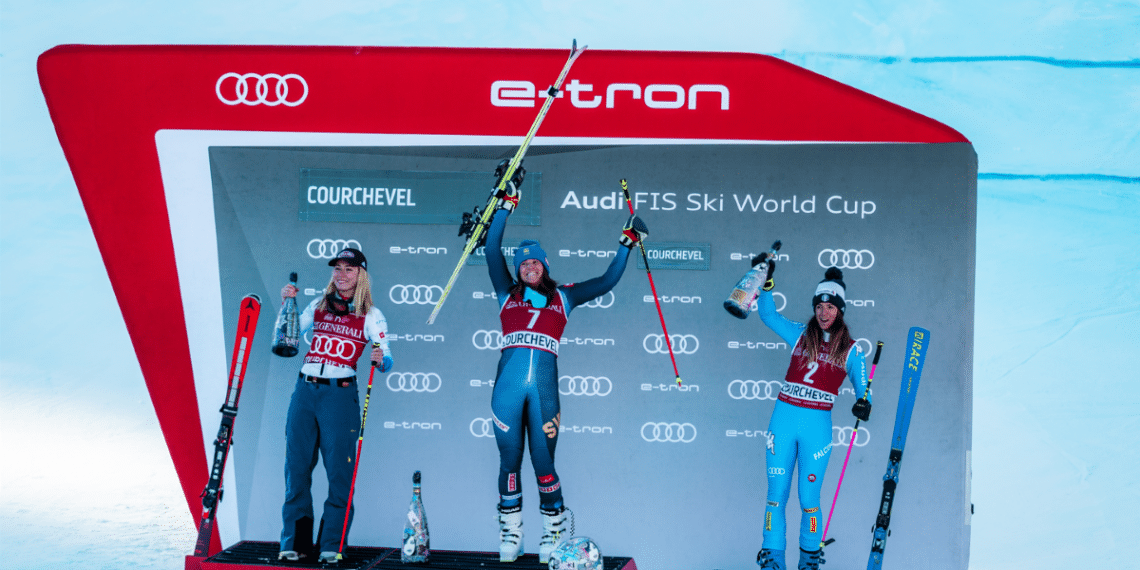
<point>1048,92</point>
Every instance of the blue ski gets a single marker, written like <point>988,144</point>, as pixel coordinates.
<point>916,345</point>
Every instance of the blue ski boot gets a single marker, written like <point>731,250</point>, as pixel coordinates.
<point>810,559</point>
<point>771,559</point>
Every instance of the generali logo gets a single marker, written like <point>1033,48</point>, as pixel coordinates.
<point>509,93</point>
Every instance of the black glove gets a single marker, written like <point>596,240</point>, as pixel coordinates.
<point>862,409</point>
<point>633,231</point>
<point>768,283</point>
<point>511,192</point>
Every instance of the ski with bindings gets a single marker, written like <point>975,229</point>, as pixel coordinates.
<point>917,343</point>
<point>476,226</point>
<point>212,494</point>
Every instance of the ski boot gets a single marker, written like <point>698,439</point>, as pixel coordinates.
<point>810,559</point>
<point>329,557</point>
<point>771,559</point>
<point>289,556</point>
<point>510,533</point>
<point>554,526</point>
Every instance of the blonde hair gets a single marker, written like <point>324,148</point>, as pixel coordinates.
<point>361,300</point>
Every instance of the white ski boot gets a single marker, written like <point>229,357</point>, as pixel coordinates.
<point>555,527</point>
<point>510,533</point>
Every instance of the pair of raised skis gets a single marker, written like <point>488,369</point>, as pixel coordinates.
<point>475,223</point>
<point>917,341</point>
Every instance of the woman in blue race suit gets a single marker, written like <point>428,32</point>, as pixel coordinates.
<point>533,310</point>
<point>799,433</point>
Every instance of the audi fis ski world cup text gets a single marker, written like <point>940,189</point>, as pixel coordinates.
<point>705,202</point>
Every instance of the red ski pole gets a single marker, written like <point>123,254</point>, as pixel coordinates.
<point>854,433</point>
<point>656,301</point>
<point>356,466</point>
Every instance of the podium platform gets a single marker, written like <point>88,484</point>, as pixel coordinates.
<point>253,555</point>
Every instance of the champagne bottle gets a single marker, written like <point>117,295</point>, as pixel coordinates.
<point>417,543</point>
<point>739,302</point>
<point>287,331</point>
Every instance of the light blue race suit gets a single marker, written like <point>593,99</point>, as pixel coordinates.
<point>525,398</point>
<point>799,437</point>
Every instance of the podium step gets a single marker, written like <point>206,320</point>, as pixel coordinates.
<point>254,555</point>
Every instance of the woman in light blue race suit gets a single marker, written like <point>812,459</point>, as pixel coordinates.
<point>799,433</point>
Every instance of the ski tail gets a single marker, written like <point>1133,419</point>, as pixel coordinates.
<point>917,343</point>
<point>484,221</point>
<point>212,494</point>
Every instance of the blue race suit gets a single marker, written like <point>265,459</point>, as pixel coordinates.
<point>799,433</point>
<point>525,398</point>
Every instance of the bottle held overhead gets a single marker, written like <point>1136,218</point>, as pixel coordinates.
<point>739,302</point>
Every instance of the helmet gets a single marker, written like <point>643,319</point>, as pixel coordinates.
<point>576,553</point>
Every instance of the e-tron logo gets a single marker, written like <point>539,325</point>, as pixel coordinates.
<point>415,294</point>
<point>241,93</point>
<point>682,344</point>
<point>487,340</point>
<point>481,427</point>
<point>842,436</point>
<point>754,389</point>
<point>846,258</point>
<point>864,345</point>
<point>584,386</point>
<point>414,382</point>
<point>328,248</point>
<point>668,432</point>
<point>600,302</point>
<point>333,347</point>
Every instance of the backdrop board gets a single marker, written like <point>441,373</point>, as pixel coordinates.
<point>724,153</point>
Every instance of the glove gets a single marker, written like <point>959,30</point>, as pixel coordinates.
<point>862,409</point>
<point>768,283</point>
<point>510,194</point>
<point>633,231</point>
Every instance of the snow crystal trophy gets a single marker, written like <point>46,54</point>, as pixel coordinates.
<point>417,543</point>
<point>286,333</point>
<point>739,302</point>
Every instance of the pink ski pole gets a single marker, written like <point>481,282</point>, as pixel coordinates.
<point>854,433</point>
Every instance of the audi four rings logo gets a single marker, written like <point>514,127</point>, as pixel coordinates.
<point>333,347</point>
<point>599,302</point>
<point>754,389</point>
<point>481,427</point>
<point>584,386</point>
<point>682,344</point>
<point>414,382</point>
<point>415,294</point>
<point>842,436</point>
<point>239,92</point>
<point>487,340</point>
<point>670,432</point>
<point>328,248</point>
<point>847,258</point>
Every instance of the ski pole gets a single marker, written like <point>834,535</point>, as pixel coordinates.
<point>356,467</point>
<point>854,433</point>
<point>652,287</point>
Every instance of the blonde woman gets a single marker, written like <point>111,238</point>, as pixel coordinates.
<point>324,412</point>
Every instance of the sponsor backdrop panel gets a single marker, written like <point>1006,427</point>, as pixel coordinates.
<point>647,466</point>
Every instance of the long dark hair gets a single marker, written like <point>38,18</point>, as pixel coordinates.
<point>547,287</point>
<point>839,345</point>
